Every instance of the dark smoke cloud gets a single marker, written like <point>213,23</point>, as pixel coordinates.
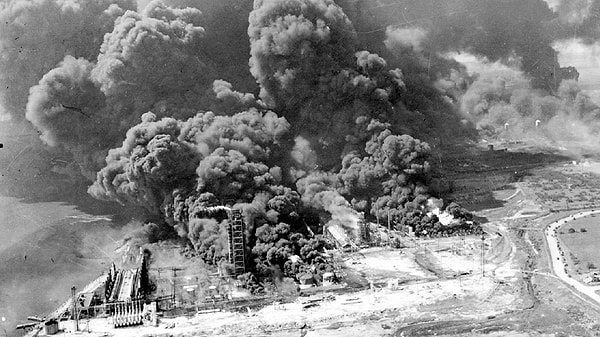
<point>319,190</point>
<point>335,100</point>
<point>204,161</point>
<point>37,35</point>
<point>149,61</point>
<point>503,105</point>
<point>151,57</point>
<point>151,162</point>
<point>305,58</point>
<point>228,42</point>
<point>208,237</point>
<point>188,170</point>
<point>61,107</point>
<point>312,38</point>
<point>497,30</point>
<point>519,80</point>
<point>167,114</point>
<point>393,175</point>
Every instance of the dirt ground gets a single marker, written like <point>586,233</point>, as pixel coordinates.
<point>438,280</point>
<point>441,290</point>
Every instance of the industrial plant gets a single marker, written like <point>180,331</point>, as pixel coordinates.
<point>137,294</point>
<point>299,168</point>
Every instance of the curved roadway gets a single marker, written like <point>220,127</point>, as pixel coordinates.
<point>558,261</point>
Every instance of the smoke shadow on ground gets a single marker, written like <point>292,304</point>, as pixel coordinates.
<point>481,179</point>
<point>486,202</point>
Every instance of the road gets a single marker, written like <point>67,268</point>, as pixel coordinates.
<point>558,262</point>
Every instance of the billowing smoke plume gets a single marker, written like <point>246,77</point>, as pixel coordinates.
<point>318,191</point>
<point>151,162</point>
<point>181,168</point>
<point>37,35</point>
<point>64,107</point>
<point>304,56</point>
<point>277,158</point>
<point>150,61</point>
<point>496,30</point>
<point>152,58</point>
<point>503,105</point>
<point>391,178</point>
<point>516,87</point>
<point>226,156</point>
<point>162,115</point>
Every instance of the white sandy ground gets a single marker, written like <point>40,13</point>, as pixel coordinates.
<point>383,263</point>
<point>383,260</point>
<point>345,308</point>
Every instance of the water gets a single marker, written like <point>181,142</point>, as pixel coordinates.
<point>45,248</point>
<point>19,218</point>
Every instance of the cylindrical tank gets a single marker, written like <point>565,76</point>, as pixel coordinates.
<point>51,327</point>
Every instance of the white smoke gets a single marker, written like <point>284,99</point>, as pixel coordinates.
<point>412,37</point>
<point>434,207</point>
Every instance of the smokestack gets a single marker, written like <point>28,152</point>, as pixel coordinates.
<point>74,299</point>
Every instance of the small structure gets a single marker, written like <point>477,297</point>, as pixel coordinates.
<point>593,277</point>
<point>490,147</point>
<point>365,231</point>
<point>51,327</point>
<point>392,284</point>
<point>128,314</point>
<point>328,279</point>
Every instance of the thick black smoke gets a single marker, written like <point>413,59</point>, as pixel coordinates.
<point>37,35</point>
<point>512,88</point>
<point>163,116</point>
<point>497,30</point>
<point>311,71</point>
<point>149,61</point>
<point>392,176</point>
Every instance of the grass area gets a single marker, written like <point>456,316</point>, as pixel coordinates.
<point>580,238</point>
<point>566,187</point>
<point>471,176</point>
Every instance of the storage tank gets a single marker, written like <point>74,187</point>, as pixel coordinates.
<point>51,327</point>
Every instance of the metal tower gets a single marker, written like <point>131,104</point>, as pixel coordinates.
<point>237,239</point>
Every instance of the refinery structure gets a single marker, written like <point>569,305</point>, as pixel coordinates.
<point>306,168</point>
<point>137,294</point>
